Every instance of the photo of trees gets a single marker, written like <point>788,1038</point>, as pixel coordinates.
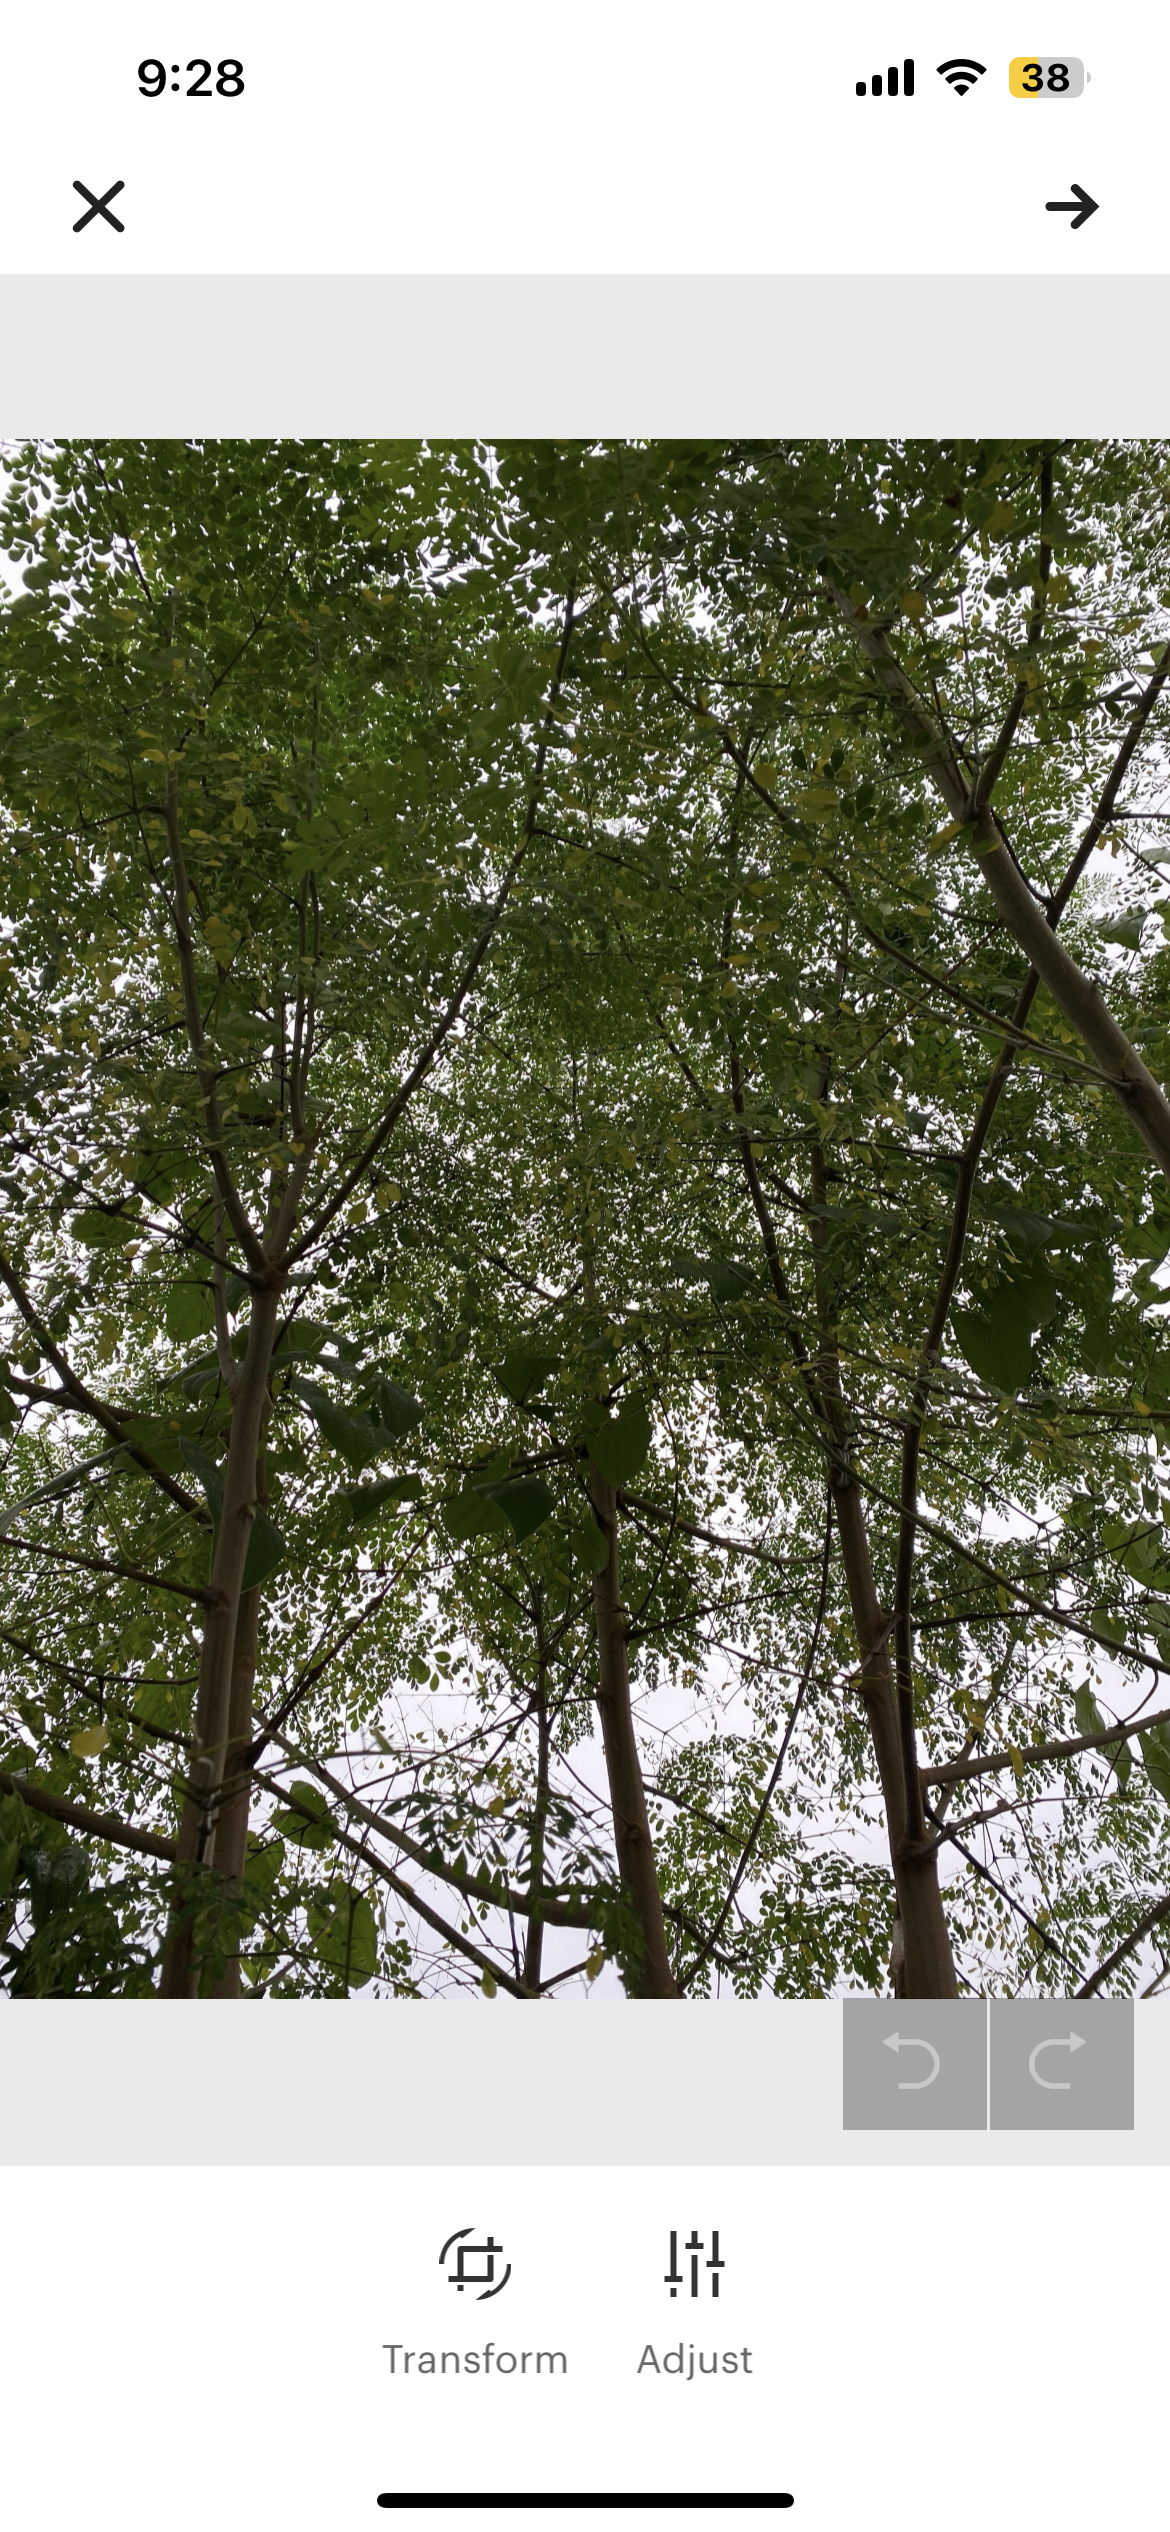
<point>584,1193</point>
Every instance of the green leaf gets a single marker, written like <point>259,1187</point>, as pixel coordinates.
<point>316,1831</point>
<point>525,1501</point>
<point>1125,929</point>
<point>522,1373</point>
<point>398,1412</point>
<point>353,1437</point>
<point>202,1466</point>
<point>307,1340</point>
<point>98,1227</point>
<point>56,1878</point>
<point>61,1485</point>
<point>266,1550</point>
<point>590,1543</point>
<point>262,1863</point>
<point>997,1344</point>
<point>617,1449</point>
<point>1033,1297</point>
<point>1090,1719</point>
<point>154,1173</point>
<point>198,1376</point>
<point>1097,1351</point>
<point>474,1514</point>
<point>345,1936</point>
<point>189,1310</point>
<point>726,1280</point>
<point>996,1338</point>
<point>1155,1749</point>
<point>1087,1711</point>
<point>361,1502</point>
<point>158,1702</point>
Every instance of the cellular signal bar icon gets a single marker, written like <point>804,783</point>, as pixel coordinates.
<point>893,80</point>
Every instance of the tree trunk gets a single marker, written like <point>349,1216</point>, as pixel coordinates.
<point>1137,1093</point>
<point>534,1942</point>
<point>927,1968</point>
<point>230,1838</point>
<point>1077,995</point>
<point>217,1666</point>
<point>631,1824</point>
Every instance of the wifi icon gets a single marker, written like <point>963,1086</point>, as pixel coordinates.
<point>961,75</point>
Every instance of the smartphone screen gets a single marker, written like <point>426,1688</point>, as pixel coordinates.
<point>584,1268</point>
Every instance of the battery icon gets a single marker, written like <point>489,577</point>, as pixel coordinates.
<point>1046,75</point>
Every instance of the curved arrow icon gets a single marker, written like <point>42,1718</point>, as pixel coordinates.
<point>918,2083</point>
<point>1052,2083</point>
<point>1084,206</point>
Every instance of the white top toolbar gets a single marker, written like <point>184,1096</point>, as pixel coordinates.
<point>631,136</point>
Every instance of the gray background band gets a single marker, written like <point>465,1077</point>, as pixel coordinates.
<point>597,2083</point>
<point>709,354</point>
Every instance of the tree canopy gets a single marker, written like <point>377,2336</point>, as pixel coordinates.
<point>584,1176</point>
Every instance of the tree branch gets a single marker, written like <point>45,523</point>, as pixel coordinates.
<point>233,1204</point>
<point>442,1029</point>
<point>765,1801</point>
<point>402,1890</point>
<point>103,1824</point>
<point>1034,1753</point>
<point>83,1399</point>
<point>495,1895</point>
<point>1145,1925</point>
<point>105,1565</point>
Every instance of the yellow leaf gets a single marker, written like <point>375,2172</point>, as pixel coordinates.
<point>220,938</point>
<point>488,1984</point>
<point>594,1966</point>
<point>91,1743</point>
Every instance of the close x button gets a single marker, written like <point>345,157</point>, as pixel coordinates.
<point>99,203</point>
